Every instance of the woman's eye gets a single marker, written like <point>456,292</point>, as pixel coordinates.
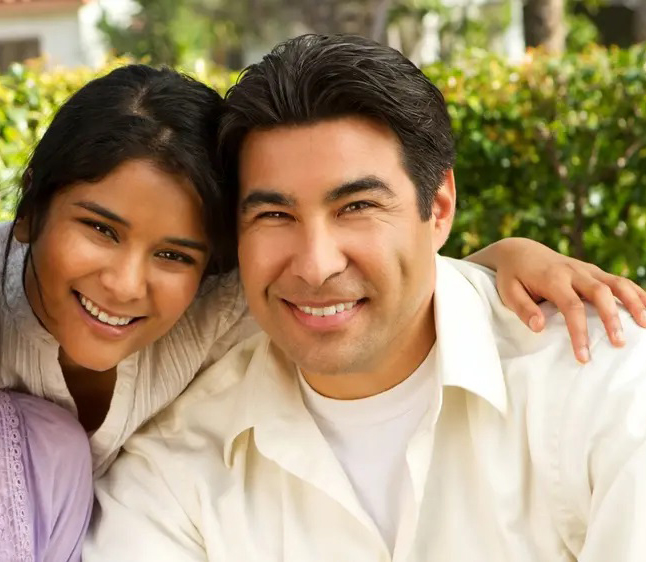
<point>176,257</point>
<point>102,229</point>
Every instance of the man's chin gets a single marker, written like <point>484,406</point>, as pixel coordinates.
<point>324,362</point>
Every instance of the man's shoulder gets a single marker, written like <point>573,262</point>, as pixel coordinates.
<point>544,364</point>
<point>582,414</point>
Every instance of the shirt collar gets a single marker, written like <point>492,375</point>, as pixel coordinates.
<point>268,394</point>
<point>467,352</point>
<point>466,357</point>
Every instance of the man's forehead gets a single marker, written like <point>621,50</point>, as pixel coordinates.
<point>322,156</point>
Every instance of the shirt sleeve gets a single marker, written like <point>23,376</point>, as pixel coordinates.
<point>618,516</point>
<point>602,453</point>
<point>58,478</point>
<point>139,514</point>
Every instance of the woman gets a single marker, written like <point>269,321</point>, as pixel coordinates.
<point>120,285</point>
<point>45,481</point>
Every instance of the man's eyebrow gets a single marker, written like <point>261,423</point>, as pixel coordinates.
<point>260,197</point>
<point>188,243</point>
<point>361,185</point>
<point>102,211</point>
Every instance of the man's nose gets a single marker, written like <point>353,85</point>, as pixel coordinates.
<point>318,257</point>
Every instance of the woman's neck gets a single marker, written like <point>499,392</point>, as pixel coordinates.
<point>91,390</point>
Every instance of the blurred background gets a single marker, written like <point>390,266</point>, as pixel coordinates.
<point>235,33</point>
<point>547,96</point>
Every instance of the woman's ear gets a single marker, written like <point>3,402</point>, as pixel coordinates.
<point>21,230</point>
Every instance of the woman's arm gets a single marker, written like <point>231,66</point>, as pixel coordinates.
<point>528,272</point>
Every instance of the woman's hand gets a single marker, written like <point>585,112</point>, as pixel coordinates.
<point>528,272</point>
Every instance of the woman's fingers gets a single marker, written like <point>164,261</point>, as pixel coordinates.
<point>631,295</point>
<point>600,295</point>
<point>562,294</point>
<point>516,297</point>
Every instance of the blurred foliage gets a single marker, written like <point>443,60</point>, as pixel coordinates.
<point>183,31</point>
<point>581,32</point>
<point>156,33</point>
<point>553,148</point>
<point>28,99</point>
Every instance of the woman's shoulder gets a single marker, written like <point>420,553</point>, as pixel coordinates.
<point>45,454</point>
<point>44,423</point>
<point>15,259</point>
<point>5,229</point>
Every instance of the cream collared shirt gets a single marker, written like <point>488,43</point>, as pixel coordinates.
<point>532,457</point>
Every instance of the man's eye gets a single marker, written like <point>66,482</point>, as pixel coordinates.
<point>356,206</point>
<point>273,215</point>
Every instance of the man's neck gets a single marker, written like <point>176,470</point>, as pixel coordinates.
<point>388,370</point>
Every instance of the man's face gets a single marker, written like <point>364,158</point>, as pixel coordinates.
<point>336,262</point>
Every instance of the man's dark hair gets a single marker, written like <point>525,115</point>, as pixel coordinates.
<point>320,77</point>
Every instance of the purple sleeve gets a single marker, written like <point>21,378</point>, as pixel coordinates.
<point>58,478</point>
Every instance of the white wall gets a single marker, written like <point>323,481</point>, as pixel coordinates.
<point>71,38</point>
<point>58,35</point>
<point>118,12</point>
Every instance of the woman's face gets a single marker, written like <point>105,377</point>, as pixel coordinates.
<point>117,263</point>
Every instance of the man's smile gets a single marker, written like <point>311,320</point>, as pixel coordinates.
<point>326,316</point>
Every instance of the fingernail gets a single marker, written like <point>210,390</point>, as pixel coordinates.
<point>534,323</point>
<point>618,336</point>
<point>584,354</point>
<point>643,318</point>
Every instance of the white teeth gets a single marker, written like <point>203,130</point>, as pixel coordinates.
<point>104,316</point>
<point>328,310</point>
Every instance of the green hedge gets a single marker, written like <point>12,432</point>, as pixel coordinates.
<point>553,148</point>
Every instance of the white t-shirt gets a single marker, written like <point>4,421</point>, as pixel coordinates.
<point>370,436</point>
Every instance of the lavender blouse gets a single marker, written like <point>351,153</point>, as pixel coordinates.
<point>45,481</point>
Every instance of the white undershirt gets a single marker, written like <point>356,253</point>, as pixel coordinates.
<point>370,436</point>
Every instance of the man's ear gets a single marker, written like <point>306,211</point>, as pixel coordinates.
<point>443,210</point>
<point>21,230</point>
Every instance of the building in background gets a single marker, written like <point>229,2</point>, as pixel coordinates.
<point>62,32</point>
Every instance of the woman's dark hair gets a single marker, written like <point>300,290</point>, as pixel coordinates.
<point>134,112</point>
<point>319,77</point>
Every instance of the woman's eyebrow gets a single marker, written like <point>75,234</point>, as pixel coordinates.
<point>102,211</point>
<point>106,213</point>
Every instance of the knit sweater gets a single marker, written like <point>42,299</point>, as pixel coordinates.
<point>147,380</point>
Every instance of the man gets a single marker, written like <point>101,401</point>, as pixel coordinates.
<point>376,420</point>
